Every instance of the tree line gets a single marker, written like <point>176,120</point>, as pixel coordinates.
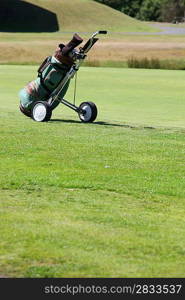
<point>150,10</point>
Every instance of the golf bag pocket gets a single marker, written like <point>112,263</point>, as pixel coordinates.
<point>52,79</point>
<point>51,72</point>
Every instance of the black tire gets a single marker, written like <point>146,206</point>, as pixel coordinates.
<point>88,112</point>
<point>41,111</point>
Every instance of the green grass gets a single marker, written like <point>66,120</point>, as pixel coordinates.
<point>95,200</point>
<point>88,15</point>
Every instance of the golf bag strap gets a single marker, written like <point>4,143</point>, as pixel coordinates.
<point>41,69</point>
<point>44,65</point>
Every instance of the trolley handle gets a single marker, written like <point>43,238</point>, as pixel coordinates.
<point>92,40</point>
<point>103,32</point>
<point>98,32</point>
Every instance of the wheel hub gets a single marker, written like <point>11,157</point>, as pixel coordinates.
<point>39,112</point>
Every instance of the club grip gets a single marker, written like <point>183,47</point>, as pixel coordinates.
<point>103,32</point>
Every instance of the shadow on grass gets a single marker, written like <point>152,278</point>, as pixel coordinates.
<point>21,16</point>
<point>101,123</point>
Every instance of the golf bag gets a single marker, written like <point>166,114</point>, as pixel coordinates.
<point>50,73</point>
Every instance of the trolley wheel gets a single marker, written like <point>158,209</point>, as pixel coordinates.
<point>88,112</point>
<point>41,111</point>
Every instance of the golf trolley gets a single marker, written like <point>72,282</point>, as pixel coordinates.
<point>87,111</point>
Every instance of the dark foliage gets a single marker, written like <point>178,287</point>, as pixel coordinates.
<point>150,10</point>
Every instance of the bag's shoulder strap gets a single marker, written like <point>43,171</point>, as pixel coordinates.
<point>44,65</point>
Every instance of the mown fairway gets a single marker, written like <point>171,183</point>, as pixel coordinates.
<point>95,200</point>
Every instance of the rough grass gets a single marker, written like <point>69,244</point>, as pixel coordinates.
<point>111,50</point>
<point>95,200</point>
<point>114,50</point>
<point>155,63</point>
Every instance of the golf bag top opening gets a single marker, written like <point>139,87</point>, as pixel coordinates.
<point>76,40</point>
<point>64,53</point>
